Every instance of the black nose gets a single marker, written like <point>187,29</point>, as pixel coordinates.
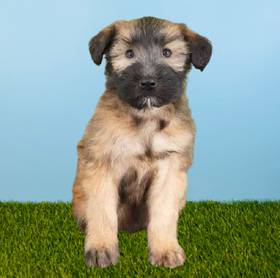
<point>147,84</point>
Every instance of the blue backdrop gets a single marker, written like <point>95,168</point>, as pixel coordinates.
<point>49,88</point>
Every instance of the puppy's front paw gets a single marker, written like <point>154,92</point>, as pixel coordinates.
<point>102,257</point>
<point>169,258</point>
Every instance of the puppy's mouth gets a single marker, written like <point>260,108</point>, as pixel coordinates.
<point>148,102</point>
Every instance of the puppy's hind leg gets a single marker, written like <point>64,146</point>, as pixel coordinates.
<point>78,193</point>
<point>79,205</point>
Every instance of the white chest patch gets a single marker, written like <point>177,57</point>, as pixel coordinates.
<point>162,142</point>
<point>150,138</point>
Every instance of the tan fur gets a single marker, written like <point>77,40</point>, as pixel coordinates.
<point>123,36</point>
<point>179,54</point>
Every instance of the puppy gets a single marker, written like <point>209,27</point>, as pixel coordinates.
<point>138,146</point>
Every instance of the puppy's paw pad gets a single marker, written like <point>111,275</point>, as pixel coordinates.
<point>102,257</point>
<point>171,258</point>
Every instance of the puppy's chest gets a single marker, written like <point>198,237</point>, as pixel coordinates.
<point>151,139</point>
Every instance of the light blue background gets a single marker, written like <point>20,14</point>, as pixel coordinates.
<point>49,88</point>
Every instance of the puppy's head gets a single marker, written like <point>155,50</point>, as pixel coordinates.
<point>148,59</point>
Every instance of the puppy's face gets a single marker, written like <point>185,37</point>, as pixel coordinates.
<point>148,58</point>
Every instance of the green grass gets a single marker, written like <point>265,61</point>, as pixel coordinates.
<point>220,240</point>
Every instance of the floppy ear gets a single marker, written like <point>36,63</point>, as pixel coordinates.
<point>100,43</point>
<point>200,48</point>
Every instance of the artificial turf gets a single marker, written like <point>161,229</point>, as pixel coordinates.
<point>239,239</point>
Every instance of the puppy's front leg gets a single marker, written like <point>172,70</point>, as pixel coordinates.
<point>101,244</point>
<point>165,201</point>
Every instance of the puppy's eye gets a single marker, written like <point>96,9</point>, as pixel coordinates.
<point>166,52</point>
<point>129,53</point>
